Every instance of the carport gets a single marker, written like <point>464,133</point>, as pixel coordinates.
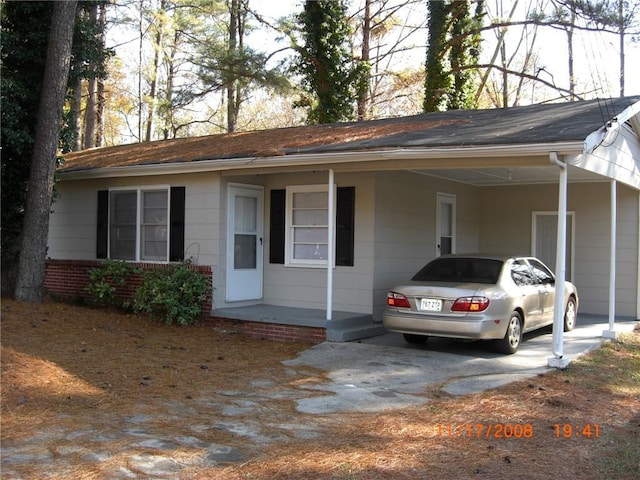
<point>541,145</point>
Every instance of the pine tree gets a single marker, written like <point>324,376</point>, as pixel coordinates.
<point>31,272</point>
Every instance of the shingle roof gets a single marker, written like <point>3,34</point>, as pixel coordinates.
<point>533,124</point>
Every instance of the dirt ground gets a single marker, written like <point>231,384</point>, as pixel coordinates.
<point>68,367</point>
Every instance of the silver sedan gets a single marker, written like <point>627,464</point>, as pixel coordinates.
<point>478,297</point>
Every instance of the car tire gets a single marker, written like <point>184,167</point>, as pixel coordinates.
<point>414,339</point>
<point>570,314</point>
<point>513,337</point>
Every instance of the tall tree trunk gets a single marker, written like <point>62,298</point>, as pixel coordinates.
<point>101,108</point>
<point>76,108</point>
<point>154,73</point>
<point>503,32</point>
<point>90,110</point>
<point>436,79</point>
<point>30,287</point>
<point>232,113</point>
<point>572,78</point>
<point>90,114</point>
<point>101,105</point>
<point>365,57</point>
<point>140,50</point>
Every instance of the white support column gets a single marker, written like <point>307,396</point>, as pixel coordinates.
<point>331,244</point>
<point>611,333</point>
<point>558,360</point>
<point>638,277</point>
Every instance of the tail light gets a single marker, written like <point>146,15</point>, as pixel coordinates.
<point>395,299</point>
<point>470,304</point>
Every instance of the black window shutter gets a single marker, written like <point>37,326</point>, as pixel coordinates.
<point>176,220</point>
<point>277,226</point>
<point>103,224</point>
<point>345,215</point>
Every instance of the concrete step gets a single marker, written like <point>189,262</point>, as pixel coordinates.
<point>353,328</point>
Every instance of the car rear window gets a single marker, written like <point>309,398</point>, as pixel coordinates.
<point>460,270</point>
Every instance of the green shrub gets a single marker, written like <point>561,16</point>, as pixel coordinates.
<point>105,280</point>
<point>173,294</point>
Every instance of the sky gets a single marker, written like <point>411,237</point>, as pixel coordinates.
<point>597,57</point>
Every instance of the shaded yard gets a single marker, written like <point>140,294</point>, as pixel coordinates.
<point>89,393</point>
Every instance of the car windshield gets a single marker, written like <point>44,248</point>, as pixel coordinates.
<point>460,270</point>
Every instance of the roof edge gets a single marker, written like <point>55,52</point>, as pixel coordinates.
<point>319,159</point>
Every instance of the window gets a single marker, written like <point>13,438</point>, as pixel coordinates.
<point>141,224</point>
<point>307,229</point>
<point>542,273</point>
<point>123,225</point>
<point>345,225</point>
<point>521,273</point>
<point>460,270</point>
<point>138,224</point>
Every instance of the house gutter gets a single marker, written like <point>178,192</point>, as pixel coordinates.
<point>323,159</point>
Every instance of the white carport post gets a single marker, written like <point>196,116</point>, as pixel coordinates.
<point>557,361</point>
<point>611,333</point>
<point>330,244</point>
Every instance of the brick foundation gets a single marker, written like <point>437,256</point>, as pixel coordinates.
<point>272,331</point>
<point>68,279</point>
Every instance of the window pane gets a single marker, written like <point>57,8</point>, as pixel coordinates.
<point>310,200</point>
<point>310,217</point>
<point>310,252</point>
<point>309,232</point>
<point>154,243</point>
<point>445,245</point>
<point>446,217</point>
<point>122,227</point>
<point>542,274</point>
<point>245,251</point>
<point>521,274</point>
<point>310,235</point>
<point>123,208</point>
<point>245,214</point>
<point>154,208</point>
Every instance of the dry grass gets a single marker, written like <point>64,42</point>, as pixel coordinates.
<point>67,367</point>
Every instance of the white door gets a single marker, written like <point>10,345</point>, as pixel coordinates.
<point>445,224</point>
<point>244,243</point>
<point>545,240</point>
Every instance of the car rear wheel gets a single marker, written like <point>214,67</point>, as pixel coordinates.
<point>415,339</point>
<point>570,314</point>
<point>512,339</point>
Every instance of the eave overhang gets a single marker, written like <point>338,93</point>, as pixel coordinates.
<point>482,156</point>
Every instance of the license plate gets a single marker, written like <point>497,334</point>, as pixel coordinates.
<point>431,305</point>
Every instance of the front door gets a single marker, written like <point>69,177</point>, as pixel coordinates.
<point>445,224</point>
<point>244,243</point>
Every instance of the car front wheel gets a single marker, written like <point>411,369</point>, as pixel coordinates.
<point>512,339</point>
<point>570,315</point>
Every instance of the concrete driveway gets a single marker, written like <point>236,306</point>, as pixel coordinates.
<point>385,372</point>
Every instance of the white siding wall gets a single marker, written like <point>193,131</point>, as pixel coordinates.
<point>73,223</point>
<point>506,227</point>
<point>72,229</point>
<point>306,287</point>
<point>405,226</point>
